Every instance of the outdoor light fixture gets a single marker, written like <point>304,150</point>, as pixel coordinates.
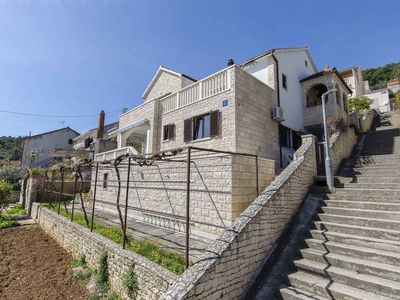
<point>328,161</point>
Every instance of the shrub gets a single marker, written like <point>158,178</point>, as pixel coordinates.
<point>5,194</point>
<point>102,273</point>
<point>131,283</point>
<point>12,175</point>
<point>360,103</point>
<point>79,262</point>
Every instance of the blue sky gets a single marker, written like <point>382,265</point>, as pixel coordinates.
<point>77,57</point>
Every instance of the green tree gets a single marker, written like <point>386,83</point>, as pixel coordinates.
<point>5,194</point>
<point>359,104</point>
<point>378,77</point>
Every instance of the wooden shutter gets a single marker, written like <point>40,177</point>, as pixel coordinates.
<point>188,131</point>
<point>214,120</point>
<point>171,131</point>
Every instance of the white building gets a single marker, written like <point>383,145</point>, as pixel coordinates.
<point>380,99</point>
<point>354,79</point>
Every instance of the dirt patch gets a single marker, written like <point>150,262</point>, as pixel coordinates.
<point>34,266</point>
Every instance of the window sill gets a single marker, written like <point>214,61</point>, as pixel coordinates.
<point>201,140</point>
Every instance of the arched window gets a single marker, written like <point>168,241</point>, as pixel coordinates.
<point>314,94</point>
<point>136,141</point>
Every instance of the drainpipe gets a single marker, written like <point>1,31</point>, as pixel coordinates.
<point>278,96</point>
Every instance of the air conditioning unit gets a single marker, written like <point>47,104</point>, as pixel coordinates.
<point>277,114</point>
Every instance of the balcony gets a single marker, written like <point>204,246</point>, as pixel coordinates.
<point>210,86</point>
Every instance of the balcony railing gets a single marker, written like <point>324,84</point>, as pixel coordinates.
<point>207,87</point>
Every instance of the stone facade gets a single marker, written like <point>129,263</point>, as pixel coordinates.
<point>153,280</point>
<point>222,186</point>
<point>234,260</point>
<point>341,146</point>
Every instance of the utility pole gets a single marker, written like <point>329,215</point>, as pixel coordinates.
<point>328,161</point>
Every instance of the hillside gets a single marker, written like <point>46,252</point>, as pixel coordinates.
<point>378,77</point>
<point>10,148</point>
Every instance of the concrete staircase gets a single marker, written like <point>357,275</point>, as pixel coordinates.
<point>354,244</point>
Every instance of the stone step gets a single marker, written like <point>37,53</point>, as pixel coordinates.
<point>368,205</point>
<point>395,193</point>
<point>376,179</point>
<point>324,287</point>
<point>377,255</point>
<point>363,198</point>
<point>364,266</point>
<point>376,171</point>
<point>291,293</point>
<point>369,283</point>
<point>357,185</point>
<point>360,221</point>
<point>356,240</point>
<point>359,230</point>
<point>364,213</point>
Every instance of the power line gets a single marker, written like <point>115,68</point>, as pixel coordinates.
<point>51,116</point>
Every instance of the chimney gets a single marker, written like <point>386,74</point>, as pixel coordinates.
<point>100,128</point>
<point>230,62</point>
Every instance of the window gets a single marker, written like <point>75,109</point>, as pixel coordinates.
<point>285,136</point>
<point>105,178</point>
<point>169,132</point>
<point>202,126</point>
<point>306,63</point>
<point>284,81</point>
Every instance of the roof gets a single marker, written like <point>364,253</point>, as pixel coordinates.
<point>304,48</point>
<point>52,131</point>
<point>88,133</point>
<point>158,73</point>
<point>324,73</point>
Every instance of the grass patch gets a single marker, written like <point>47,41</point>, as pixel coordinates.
<point>14,211</point>
<point>131,283</point>
<point>170,260</point>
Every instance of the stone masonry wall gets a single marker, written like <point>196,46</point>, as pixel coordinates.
<point>341,146</point>
<point>153,280</point>
<point>222,186</point>
<point>236,257</point>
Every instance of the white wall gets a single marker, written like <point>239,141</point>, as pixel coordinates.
<point>292,64</point>
<point>380,100</point>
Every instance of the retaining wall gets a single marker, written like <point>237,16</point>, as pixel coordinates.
<point>234,260</point>
<point>341,146</point>
<point>153,280</point>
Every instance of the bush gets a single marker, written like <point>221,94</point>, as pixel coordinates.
<point>102,273</point>
<point>12,175</point>
<point>5,194</point>
<point>360,103</point>
<point>131,283</point>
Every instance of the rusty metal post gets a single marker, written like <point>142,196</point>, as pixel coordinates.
<point>257,183</point>
<point>94,195</point>
<point>126,202</point>
<point>52,188</point>
<point>61,190</point>
<point>187,208</point>
<point>73,197</point>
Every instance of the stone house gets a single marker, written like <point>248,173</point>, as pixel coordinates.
<point>258,107</point>
<point>43,149</point>
<point>354,79</point>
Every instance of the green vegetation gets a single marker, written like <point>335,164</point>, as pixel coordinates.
<point>13,175</point>
<point>167,259</point>
<point>131,283</point>
<point>102,282</point>
<point>14,211</point>
<point>359,104</point>
<point>79,262</point>
<point>5,223</point>
<point>10,148</point>
<point>5,194</point>
<point>378,77</point>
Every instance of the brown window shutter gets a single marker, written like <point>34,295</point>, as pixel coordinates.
<point>188,132</point>
<point>214,119</point>
<point>171,131</point>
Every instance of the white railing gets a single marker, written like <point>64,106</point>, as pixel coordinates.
<point>113,154</point>
<point>207,87</point>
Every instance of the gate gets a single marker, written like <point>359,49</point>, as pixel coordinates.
<point>320,157</point>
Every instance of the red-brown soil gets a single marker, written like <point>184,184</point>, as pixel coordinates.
<point>34,266</point>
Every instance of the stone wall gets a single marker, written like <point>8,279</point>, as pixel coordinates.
<point>367,119</point>
<point>222,186</point>
<point>236,257</point>
<point>341,146</point>
<point>153,280</point>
